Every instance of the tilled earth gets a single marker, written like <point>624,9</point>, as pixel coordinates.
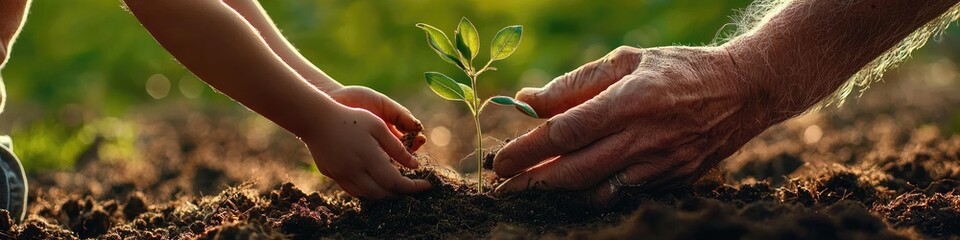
<point>877,171</point>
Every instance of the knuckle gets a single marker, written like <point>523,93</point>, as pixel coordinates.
<point>620,52</point>
<point>623,54</point>
<point>571,80</point>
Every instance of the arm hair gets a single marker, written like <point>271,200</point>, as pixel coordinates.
<point>760,12</point>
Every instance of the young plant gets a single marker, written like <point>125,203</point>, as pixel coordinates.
<point>461,52</point>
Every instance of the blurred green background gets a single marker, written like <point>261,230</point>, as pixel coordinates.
<point>95,57</point>
<point>93,53</point>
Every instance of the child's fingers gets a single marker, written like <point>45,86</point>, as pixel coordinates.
<point>390,179</point>
<point>399,116</point>
<point>418,141</point>
<point>350,188</point>
<point>393,147</point>
<point>396,132</point>
<point>370,188</point>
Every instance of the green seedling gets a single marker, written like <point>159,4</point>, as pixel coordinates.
<point>461,52</point>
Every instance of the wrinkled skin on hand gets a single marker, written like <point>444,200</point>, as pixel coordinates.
<point>649,118</point>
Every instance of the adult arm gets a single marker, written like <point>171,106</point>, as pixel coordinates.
<point>809,48</point>
<point>691,107</point>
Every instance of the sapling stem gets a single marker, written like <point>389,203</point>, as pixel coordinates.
<point>485,67</point>
<point>476,120</point>
<point>462,55</point>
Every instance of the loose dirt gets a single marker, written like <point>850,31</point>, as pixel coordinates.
<point>870,175</point>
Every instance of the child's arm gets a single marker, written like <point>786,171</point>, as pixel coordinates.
<point>12,15</point>
<point>353,96</point>
<point>350,145</point>
<point>251,11</point>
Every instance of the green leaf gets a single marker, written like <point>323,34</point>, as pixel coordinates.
<point>444,86</point>
<point>468,93</point>
<point>469,96</point>
<point>509,101</point>
<point>441,44</point>
<point>468,40</point>
<point>505,42</point>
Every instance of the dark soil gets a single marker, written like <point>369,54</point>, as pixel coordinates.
<point>870,176</point>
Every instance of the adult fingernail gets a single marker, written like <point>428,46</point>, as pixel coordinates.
<point>509,186</point>
<point>527,93</point>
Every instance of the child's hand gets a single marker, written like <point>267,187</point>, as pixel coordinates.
<point>351,145</point>
<point>394,114</point>
<point>355,147</point>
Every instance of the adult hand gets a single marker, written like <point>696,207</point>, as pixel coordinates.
<point>397,117</point>
<point>649,118</point>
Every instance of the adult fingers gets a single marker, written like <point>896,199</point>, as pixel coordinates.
<point>582,84</point>
<point>604,195</point>
<point>576,171</point>
<point>681,166</point>
<point>653,174</point>
<point>608,193</point>
<point>389,178</point>
<point>393,147</point>
<point>674,179</point>
<point>562,134</point>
